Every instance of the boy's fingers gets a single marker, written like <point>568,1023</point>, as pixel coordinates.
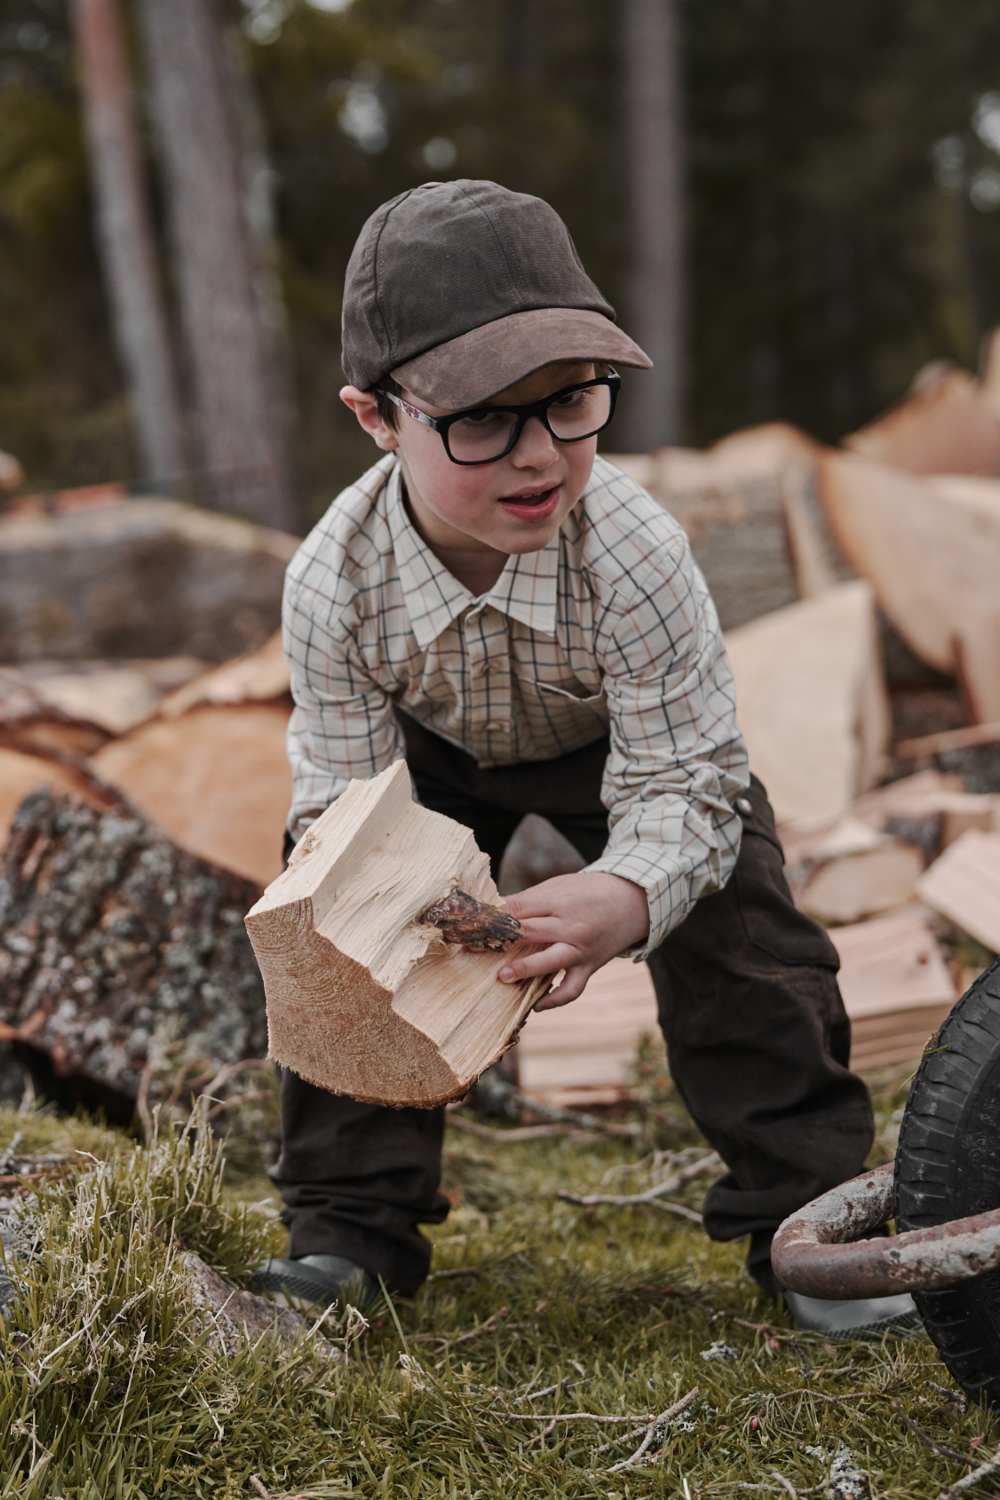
<point>572,987</point>
<point>548,961</point>
<point>541,929</point>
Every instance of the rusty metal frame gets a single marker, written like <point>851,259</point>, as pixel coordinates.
<point>820,1251</point>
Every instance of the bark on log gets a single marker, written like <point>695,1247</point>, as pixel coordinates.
<point>114,942</point>
<point>365,996</point>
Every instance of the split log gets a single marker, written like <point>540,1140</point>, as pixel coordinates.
<point>812,702</point>
<point>216,779</point>
<point>946,425</point>
<point>930,554</point>
<point>964,886</point>
<point>364,996</point>
<point>896,987</point>
<point>114,943</point>
<point>144,579</point>
<point>210,765</point>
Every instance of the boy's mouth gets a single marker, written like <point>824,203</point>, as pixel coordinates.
<point>532,502</point>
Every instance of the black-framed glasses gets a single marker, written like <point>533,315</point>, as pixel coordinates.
<point>482,434</point>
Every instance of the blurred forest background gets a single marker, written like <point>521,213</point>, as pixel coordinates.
<point>794,206</point>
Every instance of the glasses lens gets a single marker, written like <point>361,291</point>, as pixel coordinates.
<point>481,436</point>
<point>580,413</point>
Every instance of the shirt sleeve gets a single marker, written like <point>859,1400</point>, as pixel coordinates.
<point>342,725</point>
<point>677,760</point>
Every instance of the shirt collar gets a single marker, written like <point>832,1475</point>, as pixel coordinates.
<point>525,590</point>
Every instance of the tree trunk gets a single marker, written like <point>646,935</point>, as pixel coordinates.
<point>654,164</point>
<point>230,350</point>
<point>127,243</point>
<point>121,955</point>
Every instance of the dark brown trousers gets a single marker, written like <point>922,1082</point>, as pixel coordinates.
<point>748,1002</point>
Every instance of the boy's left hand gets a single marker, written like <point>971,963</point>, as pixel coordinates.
<point>581,921</point>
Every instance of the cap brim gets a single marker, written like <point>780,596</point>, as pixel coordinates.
<point>487,359</point>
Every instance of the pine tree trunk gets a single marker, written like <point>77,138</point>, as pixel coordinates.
<point>654,166</point>
<point>127,243</point>
<point>240,414</point>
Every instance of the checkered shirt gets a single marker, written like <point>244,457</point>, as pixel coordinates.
<point>609,627</point>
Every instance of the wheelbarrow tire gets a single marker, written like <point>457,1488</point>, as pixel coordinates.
<point>948,1166</point>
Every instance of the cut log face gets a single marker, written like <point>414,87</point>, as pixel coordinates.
<point>930,554</point>
<point>964,885</point>
<point>948,424</point>
<point>363,998</point>
<point>216,779</point>
<point>812,702</point>
<point>863,884</point>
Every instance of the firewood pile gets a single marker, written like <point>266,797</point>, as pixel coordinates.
<point>144,783</point>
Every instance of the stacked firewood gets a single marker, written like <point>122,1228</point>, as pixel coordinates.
<point>856,588</point>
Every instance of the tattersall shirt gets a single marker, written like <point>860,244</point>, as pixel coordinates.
<point>609,627</point>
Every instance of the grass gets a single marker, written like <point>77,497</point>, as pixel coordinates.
<point>112,1389</point>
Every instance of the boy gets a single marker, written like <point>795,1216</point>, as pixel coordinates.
<point>527,625</point>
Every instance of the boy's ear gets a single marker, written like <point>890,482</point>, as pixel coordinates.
<point>365,408</point>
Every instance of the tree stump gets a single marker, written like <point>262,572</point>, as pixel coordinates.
<point>115,943</point>
<point>380,945</point>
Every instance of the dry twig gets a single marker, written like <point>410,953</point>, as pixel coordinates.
<point>656,1426</point>
<point>984,1471</point>
<point>653,1197</point>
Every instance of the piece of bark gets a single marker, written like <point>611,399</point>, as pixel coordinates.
<point>947,425</point>
<point>215,778</point>
<point>812,703</point>
<point>964,885</point>
<point>24,771</point>
<point>150,578</point>
<point>113,943</point>
<point>929,554</point>
<point>362,997</point>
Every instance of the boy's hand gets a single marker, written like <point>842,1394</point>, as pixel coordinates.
<point>581,921</point>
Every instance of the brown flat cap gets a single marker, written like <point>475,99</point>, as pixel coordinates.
<point>459,289</point>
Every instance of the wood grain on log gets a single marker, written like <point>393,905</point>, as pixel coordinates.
<point>364,998</point>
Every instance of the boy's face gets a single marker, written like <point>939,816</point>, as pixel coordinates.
<point>468,512</point>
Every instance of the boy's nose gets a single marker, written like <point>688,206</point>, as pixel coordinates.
<point>535,446</point>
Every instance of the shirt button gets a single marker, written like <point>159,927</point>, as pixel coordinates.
<point>744,806</point>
